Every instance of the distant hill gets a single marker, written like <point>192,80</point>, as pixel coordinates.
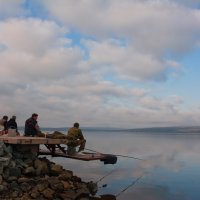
<point>82,128</point>
<point>181,129</point>
<point>169,130</point>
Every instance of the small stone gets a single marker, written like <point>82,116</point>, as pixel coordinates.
<point>14,185</point>
<point>21,163</point>
<point>48,193</point>
<point>55,184</point>
<point>65,176</point>
<point>92,187</point>
<point>41,167</point>
<point>71,194</point>
<point>5,173</point>
<point>25,197</point>
<point>67,185</point>
<point>17,155</point>
<point>34,194</point>
<point>2,146</point>
<point>84,198</point>
<point>15,194</point>
<point>29,170</point>
<point>8,150</point>
<point>12,164</point>
<point>76,179</point>
<point>15,171</point>
<point>4,161</point>
<point>28,162</point>
<point>42,186</point>
<point>5,183</point>
<point>82,191</point>
<point>2,188</point>
<point>11,178</point>
<point>1,179</point>
<point>22,180</point>
<point>56,169</point>
<point>25,187</point>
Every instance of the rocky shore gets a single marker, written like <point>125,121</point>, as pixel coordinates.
<point>24,175</point>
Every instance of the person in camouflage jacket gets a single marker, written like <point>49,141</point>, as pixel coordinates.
<point>76,138</point>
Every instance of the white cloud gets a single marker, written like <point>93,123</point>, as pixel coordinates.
<point>150,30</point>
<point>126,61</point>
<point>36,53</point>
<point>168,104</point>
<point>44,70</point>
<point>11,8</point>
<point>150,25</point>
<point>31,35</point>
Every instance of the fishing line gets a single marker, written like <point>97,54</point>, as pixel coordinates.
<point>132,184</point>
<point>114,197</point>
<point>117,155</point>
<point>106,175</point>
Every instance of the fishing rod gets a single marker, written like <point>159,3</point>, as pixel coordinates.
<point>116,155</point>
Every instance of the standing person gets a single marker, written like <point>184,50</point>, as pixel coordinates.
<point>3,123</point>
<point>12,124</point>
<point>31,126</point>
<point>76,138</point>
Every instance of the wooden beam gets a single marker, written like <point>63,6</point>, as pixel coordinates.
<point>31,140</point>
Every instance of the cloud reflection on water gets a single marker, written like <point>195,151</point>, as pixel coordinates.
<point>152,193</point>
<point>165,165</point>
<point>165,161</point>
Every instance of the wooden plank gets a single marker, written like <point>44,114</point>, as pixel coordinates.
<point>85,156</point>
<point>78,156</point>
<point>31,140</point>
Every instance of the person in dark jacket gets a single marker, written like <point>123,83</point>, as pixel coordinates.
<point>31,126</point>
<point>12,124</point>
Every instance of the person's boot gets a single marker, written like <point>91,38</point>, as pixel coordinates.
<point>81,149</point>
<point>82,146</point>
<point>71,150</point>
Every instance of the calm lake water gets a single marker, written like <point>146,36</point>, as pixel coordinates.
<point>170,169</point>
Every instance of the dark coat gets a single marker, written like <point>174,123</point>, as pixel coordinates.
<point>30,127</point>
<point>12,124</point>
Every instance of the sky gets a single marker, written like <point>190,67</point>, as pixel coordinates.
<point>102,63</point>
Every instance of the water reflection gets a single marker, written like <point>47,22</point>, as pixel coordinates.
<point>153,193</point>
<point>170,168</point>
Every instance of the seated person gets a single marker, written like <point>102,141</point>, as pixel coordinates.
<point>31,126</point>
<point>75,138</point>
<point>3,123</point>
<point>12,124</point>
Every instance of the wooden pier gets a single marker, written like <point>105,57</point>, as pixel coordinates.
<point>56,148</point>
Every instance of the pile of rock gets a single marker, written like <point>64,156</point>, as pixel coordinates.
<point>24,176</point>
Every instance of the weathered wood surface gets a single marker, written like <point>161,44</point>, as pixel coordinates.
<point>78,156</point>
<point>31,140</point>
<point>85,156</point>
